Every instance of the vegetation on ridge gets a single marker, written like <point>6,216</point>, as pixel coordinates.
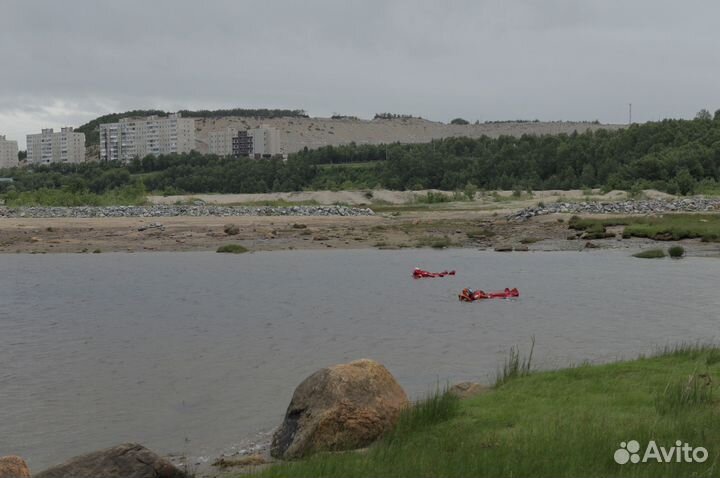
<point>676,156</point>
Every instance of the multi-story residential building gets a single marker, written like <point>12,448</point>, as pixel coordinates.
<point>8,153</point>
<point>242,144</point>
<point>265,141</point>
<point>221,142</point>
<point>67,146</point>
<point>262,142</point>
<point>139,137</point>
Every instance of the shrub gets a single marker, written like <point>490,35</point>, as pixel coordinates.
<point>232,249</point>
<point>676,251</point>
<point>650,254</point>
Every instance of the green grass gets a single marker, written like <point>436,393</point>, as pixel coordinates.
<point>125,196</point>
<point>564,423</point>
<point>515,366</point>
<point>482,233</point>
<point>530,240</point>
<point>232,249</point>
<point>668,227</point>
<point>650,254</point>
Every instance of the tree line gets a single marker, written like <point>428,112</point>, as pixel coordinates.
<point>676,156</point>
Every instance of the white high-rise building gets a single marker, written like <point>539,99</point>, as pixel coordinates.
<point>221,142</point>
<point>48,147</point>
<point>138,137</point>
<point>8,153</point>
<point>265,141</point>
<point>262,142</point>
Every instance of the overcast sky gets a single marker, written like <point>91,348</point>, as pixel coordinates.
<point>64,63</point>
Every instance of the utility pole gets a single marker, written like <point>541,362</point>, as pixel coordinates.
<point>629,114</point>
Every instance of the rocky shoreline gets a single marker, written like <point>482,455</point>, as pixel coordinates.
<point>180,211</point>
<point>650,206</point>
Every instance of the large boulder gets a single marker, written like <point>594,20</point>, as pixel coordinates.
<point>129,460</point>
<point>13,467</point>
<point>342,407</point>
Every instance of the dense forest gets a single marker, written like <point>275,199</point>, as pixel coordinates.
<point>677,156</point>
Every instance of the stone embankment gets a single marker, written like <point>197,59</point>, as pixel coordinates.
<point>654,206</point>
<point>174,211</point>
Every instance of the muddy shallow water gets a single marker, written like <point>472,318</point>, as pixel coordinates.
<point>192,352</point>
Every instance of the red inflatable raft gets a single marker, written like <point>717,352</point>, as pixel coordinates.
<point>468,295</point>
<point>421,274</point>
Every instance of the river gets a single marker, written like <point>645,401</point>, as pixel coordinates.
<point>193,352</point>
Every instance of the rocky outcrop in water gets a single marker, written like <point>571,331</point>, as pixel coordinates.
<point>342,407</point>
<point>650,206</point>
<point>172,211</point>
<point>13,467</point>
<point>124,461</point>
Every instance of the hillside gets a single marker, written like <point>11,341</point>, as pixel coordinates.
<point>299,132</point>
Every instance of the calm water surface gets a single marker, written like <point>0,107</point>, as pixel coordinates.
<point>192,352</point>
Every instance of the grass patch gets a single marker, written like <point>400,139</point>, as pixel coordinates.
<point>482,233</point>
<point>433,198</point>
<point>563,423</point>
<point>436,407</point>
<point>680,395</point>
<point>668,227</point>
<point>232,249</point>
<point>529,240</point>
<point>515,366</point>
<point>650,254</point>
<point>125,196</point>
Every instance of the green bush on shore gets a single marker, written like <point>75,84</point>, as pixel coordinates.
<point>676,251</point>
<point>667,227</point>
<point>232,249</point>
<point>650,254</point>
<point>563,423</point>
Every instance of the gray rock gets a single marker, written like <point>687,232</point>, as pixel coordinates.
<point>649,206</point>
<point>174,210</point>
<point>129,460</point>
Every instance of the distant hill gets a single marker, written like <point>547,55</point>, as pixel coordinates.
<point>304,132</point>
<point>299,131</point>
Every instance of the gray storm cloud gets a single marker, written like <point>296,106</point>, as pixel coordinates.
<point>67,62</point>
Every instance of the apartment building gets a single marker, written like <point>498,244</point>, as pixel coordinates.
<point>8,153</point>
<point>262,142</point>
<point>242,144</point>
<point>221,142</point>
<point>139,137</point>
<point>265,141</point>
<point>66,146</point>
